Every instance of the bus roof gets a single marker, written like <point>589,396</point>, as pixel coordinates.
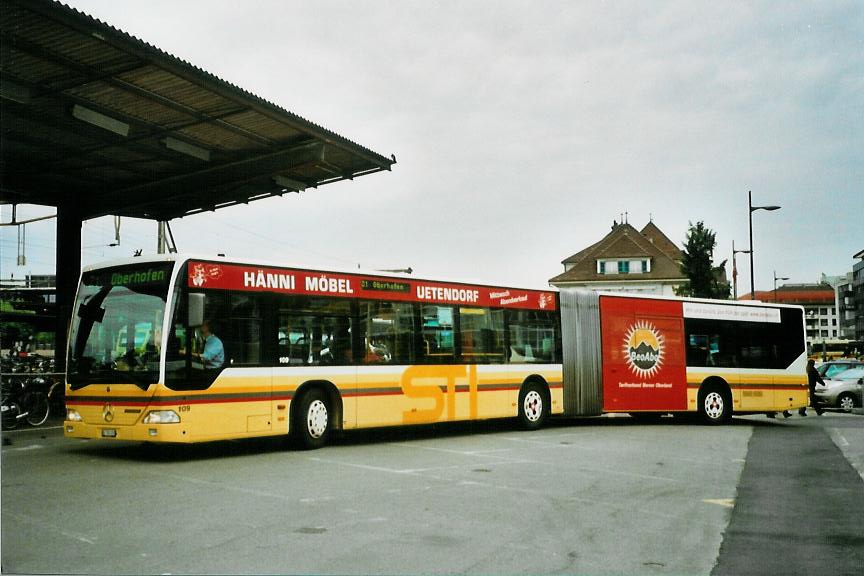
<point>685,299</point>
<point>297,265</point>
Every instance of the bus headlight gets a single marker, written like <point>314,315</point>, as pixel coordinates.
<point>73,415</point>
<point>162,417</point>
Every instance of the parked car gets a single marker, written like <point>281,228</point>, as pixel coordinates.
<point>843,391</point>
<point>833,367</point>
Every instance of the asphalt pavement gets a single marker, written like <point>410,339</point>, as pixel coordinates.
<point>800,503</point>
<point>588,496</point>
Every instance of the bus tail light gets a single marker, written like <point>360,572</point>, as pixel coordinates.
<point>162,417</point>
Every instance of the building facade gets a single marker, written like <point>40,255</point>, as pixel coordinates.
<point>630,260</point>
<point>820,312</point>
<point>834,309</point>
<point>857,295</point>
<point>845,303</point>
<point>820,309</point>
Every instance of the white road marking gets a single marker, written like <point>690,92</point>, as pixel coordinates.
<point>226,487</point>
<point>25,430</point>
<point>451,451</point>
<point>420,471</point>
<point>400,471</point>
<point>42,525</point>
<point>630,474</point>
<point>316,499</point>
<point>725,502</point>
<point>838,438</point>
<point>24,448</point>
<point>556,443</point>
<point>844,444</point>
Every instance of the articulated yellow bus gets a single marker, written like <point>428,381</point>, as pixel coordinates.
<point>190,350</point>
<point>178,349</point>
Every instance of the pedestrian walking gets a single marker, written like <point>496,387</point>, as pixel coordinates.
<point>813,378</point>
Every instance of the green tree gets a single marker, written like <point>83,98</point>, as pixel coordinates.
<point>705,279</point>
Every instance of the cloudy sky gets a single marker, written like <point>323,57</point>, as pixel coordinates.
<point>522,129</point>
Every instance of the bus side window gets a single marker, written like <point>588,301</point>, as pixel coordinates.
<point>313,331</point>
<point>531,337</point>
<point>243,339</point>
<point>697,350</point>
<point>481,333</point>
<point>184,371</point>
<point>216,311</point>
<point>438,334</point>
<point>711,343</point>
<point>387,332</point>
<point>293,341</point>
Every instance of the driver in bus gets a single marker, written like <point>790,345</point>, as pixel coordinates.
<point>213,355</point>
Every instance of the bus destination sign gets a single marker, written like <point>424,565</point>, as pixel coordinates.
<point>385,286</point>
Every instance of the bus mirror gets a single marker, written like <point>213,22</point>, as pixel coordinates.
<point>196,309</point>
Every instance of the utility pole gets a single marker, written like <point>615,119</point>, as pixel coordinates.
<point>165,241</point>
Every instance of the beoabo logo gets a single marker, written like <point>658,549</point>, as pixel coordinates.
<point>643,349</point>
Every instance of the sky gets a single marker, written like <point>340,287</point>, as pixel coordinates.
<point>523,129</point>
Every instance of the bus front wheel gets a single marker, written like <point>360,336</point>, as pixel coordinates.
<point>715,404</point>
<point>312,421</point>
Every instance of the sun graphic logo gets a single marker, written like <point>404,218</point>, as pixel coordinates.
<point>643,349</point>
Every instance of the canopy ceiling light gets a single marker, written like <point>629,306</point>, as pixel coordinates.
<point>289,184</point>
<point>100,120</point>
<point>15,92</point>
<point>186,148</point>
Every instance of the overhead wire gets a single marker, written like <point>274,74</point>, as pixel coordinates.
<point>282,242</point>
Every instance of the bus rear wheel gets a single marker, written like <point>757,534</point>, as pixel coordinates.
<point>533,406</point>
<point>715,405</point>
<point>312,421</point>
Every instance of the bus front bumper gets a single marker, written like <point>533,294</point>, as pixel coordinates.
<point>174,433</point>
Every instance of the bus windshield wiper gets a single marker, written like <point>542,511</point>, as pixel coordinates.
<point>105,372</point>
<point>132,378</point>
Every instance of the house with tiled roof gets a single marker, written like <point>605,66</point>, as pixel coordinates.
<point>629,260</point>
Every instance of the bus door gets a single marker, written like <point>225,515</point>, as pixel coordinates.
<point>216,365</point>
<point>386,350</point>
<point>711,352</point>
<point>644,365</point>
<point>315,348</point>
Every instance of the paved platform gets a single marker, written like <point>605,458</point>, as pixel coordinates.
<point>800,502</point>
<point>586,496</point>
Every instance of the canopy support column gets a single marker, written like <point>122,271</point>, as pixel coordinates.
<point>68,262</point>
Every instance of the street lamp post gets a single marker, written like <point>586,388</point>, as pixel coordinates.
<point>775,283</point>
<point>753,209</point>
<point>735,270</point>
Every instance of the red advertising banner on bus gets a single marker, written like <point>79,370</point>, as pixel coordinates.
<point>644,359</point>
<point>317,283</point>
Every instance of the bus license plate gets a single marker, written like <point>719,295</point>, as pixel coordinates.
<point>109,433</point>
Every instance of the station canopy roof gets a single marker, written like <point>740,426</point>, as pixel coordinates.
<point>96,119</point>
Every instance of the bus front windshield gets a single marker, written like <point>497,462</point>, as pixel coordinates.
<point>116,331</point>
